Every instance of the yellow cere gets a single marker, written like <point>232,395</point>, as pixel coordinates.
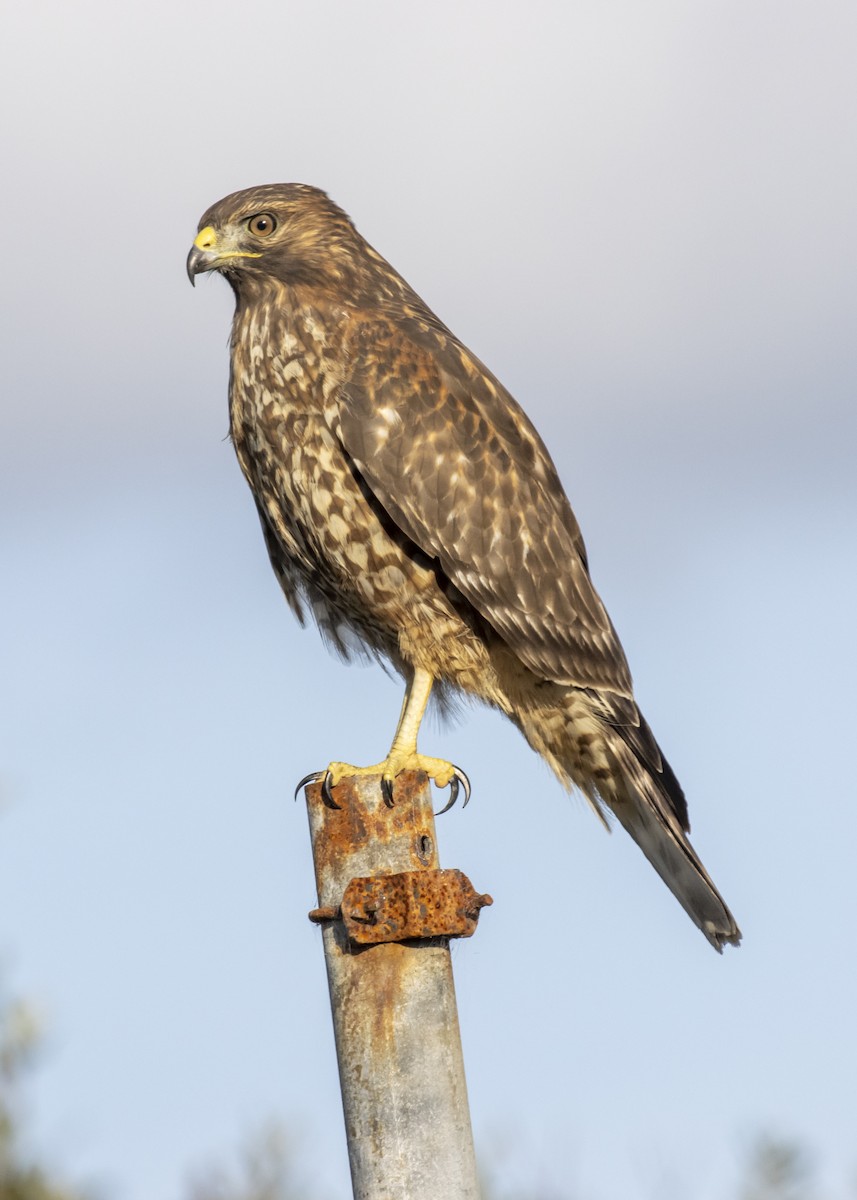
<point>206,239</point>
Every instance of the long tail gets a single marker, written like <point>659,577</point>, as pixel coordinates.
<point>601,742</point>
<point>646,813</point>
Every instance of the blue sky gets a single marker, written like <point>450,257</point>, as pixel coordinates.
<point>641,217</point>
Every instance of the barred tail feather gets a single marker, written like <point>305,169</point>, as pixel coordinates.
<point>600,742</point>
<point>646,808</point>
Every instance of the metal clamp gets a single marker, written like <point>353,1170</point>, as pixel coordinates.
<point>413,904</point>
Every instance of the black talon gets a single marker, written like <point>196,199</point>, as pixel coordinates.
<point>453,796</point>
<point>326,791</point>
<point>463,777</point>
<point>458,778</point>
<point>324,778</point>
<point>313,777</point>
<point>387,792</point>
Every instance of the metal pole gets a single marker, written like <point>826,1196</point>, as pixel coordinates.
<point>394,1015</point>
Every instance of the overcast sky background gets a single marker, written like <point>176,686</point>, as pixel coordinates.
<point>641,216</point>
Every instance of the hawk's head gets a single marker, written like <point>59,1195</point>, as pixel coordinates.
<point>288,232</point>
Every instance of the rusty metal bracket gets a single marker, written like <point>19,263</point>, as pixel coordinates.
<point>412,904</point>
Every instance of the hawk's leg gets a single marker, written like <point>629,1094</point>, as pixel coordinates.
<point>403,754</point>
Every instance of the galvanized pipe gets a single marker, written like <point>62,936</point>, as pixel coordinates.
<point>394,1015</point>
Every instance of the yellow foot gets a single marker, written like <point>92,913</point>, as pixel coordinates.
<point>443,773</point>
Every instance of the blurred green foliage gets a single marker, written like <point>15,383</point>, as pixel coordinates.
<point>266,1170</point>
<point>20,1177</point>
<point>777,1169</point>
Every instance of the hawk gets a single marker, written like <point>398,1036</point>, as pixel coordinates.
<point>411,508</point>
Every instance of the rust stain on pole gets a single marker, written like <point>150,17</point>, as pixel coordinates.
<point>394,1014</point>
<point>412,904</point>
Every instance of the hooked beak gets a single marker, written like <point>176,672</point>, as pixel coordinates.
<point>210,252</point>
<point>203,254</point>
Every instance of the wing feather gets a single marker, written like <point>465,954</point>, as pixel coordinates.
<point>456,464</point>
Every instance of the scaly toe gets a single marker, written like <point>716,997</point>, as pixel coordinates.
<point>453,796</point>
<point>441,772</point>
<point>337,771</point>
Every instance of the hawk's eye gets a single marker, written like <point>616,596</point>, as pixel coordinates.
<point>262,225</point>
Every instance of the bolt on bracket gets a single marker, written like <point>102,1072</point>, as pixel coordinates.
<point>412,904</point>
